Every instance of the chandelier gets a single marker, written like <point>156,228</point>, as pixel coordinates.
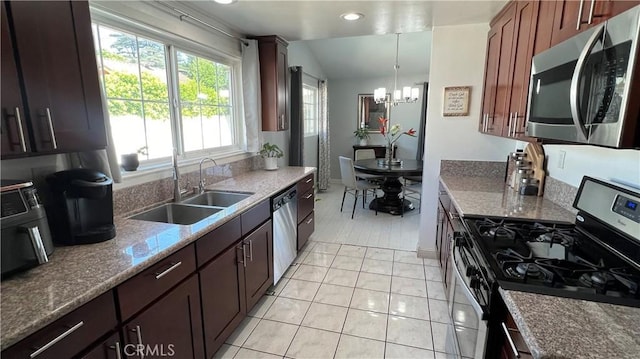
<point>406,95</point>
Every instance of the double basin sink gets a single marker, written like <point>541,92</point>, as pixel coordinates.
<point>192,209</point>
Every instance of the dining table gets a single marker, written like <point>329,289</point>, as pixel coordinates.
<point>391,202</point>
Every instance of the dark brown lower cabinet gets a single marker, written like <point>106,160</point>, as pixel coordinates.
<point>258,272</point>
<point>170,327</point>
<point>222,290</point>
<point>110,348</point>
<point>305,229</point>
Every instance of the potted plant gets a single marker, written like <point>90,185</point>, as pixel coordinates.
<point>362,134</point>
<point>130,161</point>
<point>270,153</point>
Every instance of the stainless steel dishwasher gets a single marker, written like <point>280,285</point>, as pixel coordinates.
<point>285,231</point>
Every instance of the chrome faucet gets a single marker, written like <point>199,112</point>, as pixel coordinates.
<point>176,177</point>
<point>202,183</point>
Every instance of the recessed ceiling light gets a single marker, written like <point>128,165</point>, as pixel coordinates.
<point>352,16</point>
<point>225,2</point>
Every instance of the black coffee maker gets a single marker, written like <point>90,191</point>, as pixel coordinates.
<point>81,208</point>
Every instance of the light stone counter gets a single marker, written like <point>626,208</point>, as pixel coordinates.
<point>490,197</point>
<point>562,328</point>
<point>77,274</point>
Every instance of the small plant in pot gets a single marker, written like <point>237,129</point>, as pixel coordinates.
<point>270,153</point>
<point>362,134</point>
<point>130,161</point>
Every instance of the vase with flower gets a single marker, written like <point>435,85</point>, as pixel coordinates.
<point>391,135</point>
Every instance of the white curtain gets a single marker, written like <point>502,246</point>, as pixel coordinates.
<point>324,170</point>
<point>251,94</point>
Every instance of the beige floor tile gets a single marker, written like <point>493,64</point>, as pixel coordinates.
<point>435,290</point>
<point>245,353</point>
<point>395,351</point>
<point>288,310</point>
<point>373,281</point>
<point>319,259</point>
<point>226,351</point>
<point>334,294</point>
<point>409,331</point>
<point>351,347</point>
<point>327,248</point>
<point>439,311</point>
<point>300,289</point>
<point>262,306</point>
<point>429,262</point>
<point>313,343</point>
<point>406,270</point>
<point>310,273</point>
<point>370,300</point>
<point>240,335</point>
<point>439,355</point>
<point>433,274</point>
<point>365,324</point>
<point>408,306</point>
<point>277,289</point>
<point>271,337</point>
<point>443,338</point>
<point>290,271</point>
<point>326,317</point>
<point>408,286</point>
<point>377,266</point>
<point>347,263</point>
<point>300,257</point>
<point>352,251</point>
<point>379,254</point>
<point>407,257</point>
<point>341,277</point>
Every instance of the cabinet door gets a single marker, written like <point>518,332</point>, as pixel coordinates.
<point>259,259</point>
<point>222,292</point>
<point>448,245</point>
<point>110,348</point>
<point>572,17</point>
<point>439,232</point>
<point>59,73</point>
<point>282,87</point>
<point>14,138</point>
<point>173,325</point>
<point>500,116</point>
<point>490,77</point>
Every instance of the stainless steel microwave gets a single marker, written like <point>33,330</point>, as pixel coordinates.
<point>587,88</point>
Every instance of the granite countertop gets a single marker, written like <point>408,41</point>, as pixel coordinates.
<point>555,327</point>
<point>77,274</point>
<point>490,197</point>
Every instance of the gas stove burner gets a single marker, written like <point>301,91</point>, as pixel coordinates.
<point>529,269</point>
<point>501,232</point>
<point>596,279</point>
<point>555,236</point>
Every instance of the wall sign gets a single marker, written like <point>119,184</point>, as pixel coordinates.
<point>456,101</point>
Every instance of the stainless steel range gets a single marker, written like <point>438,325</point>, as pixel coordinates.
<point>595,259</point>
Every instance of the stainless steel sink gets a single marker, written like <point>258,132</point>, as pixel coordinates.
<point>177,213</point>
<point>217,198</point>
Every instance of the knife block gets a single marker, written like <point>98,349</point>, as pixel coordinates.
<point>535,154</point>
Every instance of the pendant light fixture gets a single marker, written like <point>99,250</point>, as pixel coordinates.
<point>406,95</point>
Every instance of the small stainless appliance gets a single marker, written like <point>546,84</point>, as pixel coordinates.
<point>81,210</point>
<point>26,240</point>
<point>285,231</point>
<point>583,89</point>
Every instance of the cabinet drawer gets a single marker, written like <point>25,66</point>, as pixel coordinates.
<point>305,229</point>
<point>214,242</point>
<point>255,216</point>
<point>305,204</point>
<point>69,335</point>
<point>145,287</point>
<point>305,184</point>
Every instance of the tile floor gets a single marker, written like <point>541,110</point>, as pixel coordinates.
<point>357,290</point>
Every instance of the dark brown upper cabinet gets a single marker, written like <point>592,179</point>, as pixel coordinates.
<point>57,95</point>
<point>274,81</point>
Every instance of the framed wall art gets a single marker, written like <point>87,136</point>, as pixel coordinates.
<point>456,101</point>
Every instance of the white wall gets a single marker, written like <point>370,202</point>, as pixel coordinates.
<point>343,114</point>
<point>457,59</point>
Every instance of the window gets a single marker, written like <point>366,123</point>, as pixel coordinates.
<point>140,76</point>
<point>310,109</point>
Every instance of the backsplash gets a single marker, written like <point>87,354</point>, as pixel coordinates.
<point>472,168</point>
<point>129,200</point>
<point>560,193</point>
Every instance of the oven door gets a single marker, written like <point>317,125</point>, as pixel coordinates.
<point>467,311</point>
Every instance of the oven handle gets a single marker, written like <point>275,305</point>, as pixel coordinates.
<point>467,291</point>
<point>574,97</point>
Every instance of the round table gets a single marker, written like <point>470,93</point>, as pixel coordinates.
<point>391,202</point>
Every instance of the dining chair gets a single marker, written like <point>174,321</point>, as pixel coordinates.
<point>367,154</point>
<point>412,189</point>
<point>353,186</point>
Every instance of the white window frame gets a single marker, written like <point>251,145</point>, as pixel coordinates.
<point>172,44</point>
<point>315,87</point>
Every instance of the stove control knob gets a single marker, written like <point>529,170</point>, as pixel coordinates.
<point>474,282</point>
<point>461,241</point>
<point>471,270</point>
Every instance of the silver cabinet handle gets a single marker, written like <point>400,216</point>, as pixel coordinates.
<point>308,196</point>
<point>484,115</point>
<point>138,332</point>
<point>251,250</point>
<point>579,22</point>
<point>51,131</point>
<point>243,261</point>
<point>38,245</point>
<point>308,180</point>
<point>56,340</point>
<point>310,220</point>
<point>511,344</point>
<point>593,5</point>
<point>509,127</point>
<point>23,144</point>
<point>166,271</point>
<point>116,347</point>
